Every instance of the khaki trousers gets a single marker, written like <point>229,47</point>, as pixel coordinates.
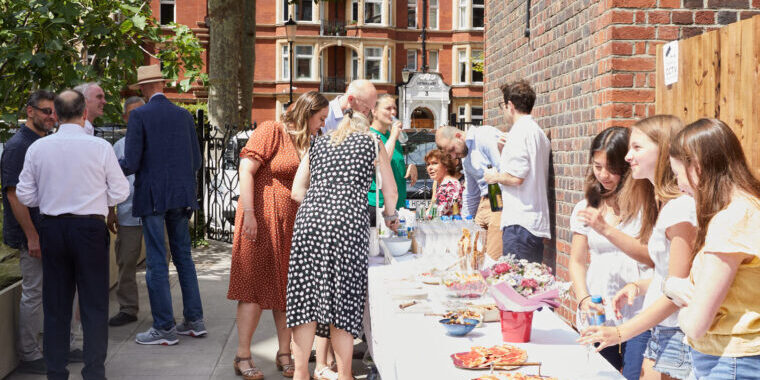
<point>128,245</point>
<point>491,222</point>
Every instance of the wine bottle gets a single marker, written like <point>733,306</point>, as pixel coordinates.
<point>494,196</point>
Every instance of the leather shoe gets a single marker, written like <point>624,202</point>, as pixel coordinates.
<point>121,319</point>
<point>76,356</point>
<point>36,367</point>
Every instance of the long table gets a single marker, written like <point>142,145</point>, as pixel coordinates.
<point>409,345</point>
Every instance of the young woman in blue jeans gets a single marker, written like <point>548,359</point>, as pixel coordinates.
<point>610,269</point>
<point>669,247</point>
<point>721,314</point>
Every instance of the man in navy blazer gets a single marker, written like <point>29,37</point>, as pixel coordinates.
<point>161,149</point>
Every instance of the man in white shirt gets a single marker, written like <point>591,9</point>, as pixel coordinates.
<point>73,178</point>
<point>523,176</point>
<point>360,95</point>
<point>478,149</point>
<point>96,101</point>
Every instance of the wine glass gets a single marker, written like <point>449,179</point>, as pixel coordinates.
<point>583,320</point>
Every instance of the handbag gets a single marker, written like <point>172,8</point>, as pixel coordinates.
<point>375,232</point>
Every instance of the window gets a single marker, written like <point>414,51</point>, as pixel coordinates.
<point>373,57</point>
<point>411,14</point>
<point>304,56</point>
<point>462,65</point>
<point>463,14</point>
<point>476,115</point>
<point>285,62</point>
<point>354,65</point>
<point>462,114</point>
<point>389,66</point>
<point>303,10</point>
<point>478,10</point>
<point>167,12</point>
<point>411,59</point>
<point>373,11</point>
<point>477,66</point>
<point>355,10</point>
<point>433,14</point>
<point>285,10</point>
<point>433,60</point>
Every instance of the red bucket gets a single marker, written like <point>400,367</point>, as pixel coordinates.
<point>516,325</point>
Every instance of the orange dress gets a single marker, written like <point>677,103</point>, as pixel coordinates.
<point>259,271</point>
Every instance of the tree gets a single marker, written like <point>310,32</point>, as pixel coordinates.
<point>232,28</point>
<point>58,44</point>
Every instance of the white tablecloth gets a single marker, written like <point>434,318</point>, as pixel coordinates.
<point>407,345</point>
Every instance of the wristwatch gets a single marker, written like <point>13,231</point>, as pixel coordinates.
<point>390,218</point>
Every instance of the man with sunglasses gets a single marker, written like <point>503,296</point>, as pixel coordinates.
<point>21,225</point>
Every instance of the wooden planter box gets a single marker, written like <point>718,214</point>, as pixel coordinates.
<point>9,299</point>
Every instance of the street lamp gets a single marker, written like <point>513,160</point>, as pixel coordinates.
<point>405,74</point>
<point>290,31</point>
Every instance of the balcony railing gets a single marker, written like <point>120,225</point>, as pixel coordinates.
<point>333,84</point>
<point>332,28</point>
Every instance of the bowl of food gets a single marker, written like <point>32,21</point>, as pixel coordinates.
<point>458,326</point>
<point>462,314</point>
<point>397,245</point>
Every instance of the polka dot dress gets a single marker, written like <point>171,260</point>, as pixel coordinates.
<point>327,281</point>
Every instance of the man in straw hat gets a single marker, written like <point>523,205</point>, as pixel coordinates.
<point>161,149</point>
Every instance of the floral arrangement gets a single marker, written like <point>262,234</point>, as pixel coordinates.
<point>519,285</point>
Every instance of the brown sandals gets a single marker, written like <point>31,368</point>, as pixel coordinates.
<point>287,369</point>
<point>251,373</point>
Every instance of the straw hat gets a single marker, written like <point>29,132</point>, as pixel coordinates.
<point>147,74</point>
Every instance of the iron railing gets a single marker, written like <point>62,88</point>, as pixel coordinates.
<point>332,28</point>
<point>332,84</point>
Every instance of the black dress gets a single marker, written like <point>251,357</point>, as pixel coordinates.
<point>327,277</point>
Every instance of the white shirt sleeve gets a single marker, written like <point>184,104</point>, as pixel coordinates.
<point>679,210</point>
<point>471,196</point>
<point>515,157</point>
<point>118,186</point>
<point>27,189</point>
<point>575,225</point>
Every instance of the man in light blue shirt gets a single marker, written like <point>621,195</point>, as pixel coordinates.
<point>477,148</point>
<point>360,95</point>
<point>129,237</point>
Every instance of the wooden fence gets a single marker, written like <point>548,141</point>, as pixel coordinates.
<point>718,76</point>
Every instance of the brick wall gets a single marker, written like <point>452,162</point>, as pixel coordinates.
<point>592,64</point>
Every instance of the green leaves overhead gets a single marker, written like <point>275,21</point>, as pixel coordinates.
<point>58,44</point>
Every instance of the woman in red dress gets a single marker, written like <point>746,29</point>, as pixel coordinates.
<point>264,226</point>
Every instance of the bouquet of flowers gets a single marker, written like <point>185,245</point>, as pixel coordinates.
<point>519,285</point>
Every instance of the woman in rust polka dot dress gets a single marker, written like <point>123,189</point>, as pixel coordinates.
<point>264,226</point>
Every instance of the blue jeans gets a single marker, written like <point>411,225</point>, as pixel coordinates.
<point>724,367</point>
<point>157,272</point>
<point>633,355</point>
<point>523,244</point>
<point>669,352</point>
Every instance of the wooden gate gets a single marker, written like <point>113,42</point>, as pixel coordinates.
<point>718,76</point>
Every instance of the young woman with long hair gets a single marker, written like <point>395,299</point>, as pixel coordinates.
<point>264,226</point>
<point>722,316</point>
<point>669,246</point>
<point>610,269</point>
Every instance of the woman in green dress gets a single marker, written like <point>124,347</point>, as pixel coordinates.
<point>388,129</point>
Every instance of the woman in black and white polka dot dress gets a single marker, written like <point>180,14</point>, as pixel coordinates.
<point>327,277</point>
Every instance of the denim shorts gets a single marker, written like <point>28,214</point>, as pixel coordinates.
<point>670,354</point>
<point>724,367</point>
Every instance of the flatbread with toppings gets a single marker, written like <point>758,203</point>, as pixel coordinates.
<point>502,356</point>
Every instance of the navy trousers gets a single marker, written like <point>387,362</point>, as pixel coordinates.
<point>74,256</point>
<point>520,242</point>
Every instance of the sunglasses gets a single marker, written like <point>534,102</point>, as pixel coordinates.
<point>46,111</point>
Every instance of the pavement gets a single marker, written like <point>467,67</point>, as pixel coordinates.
<point>204,358</point>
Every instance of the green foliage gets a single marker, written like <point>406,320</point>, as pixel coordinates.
<point>478,63</point>
<point>58,44</point>
<point>194,107</point>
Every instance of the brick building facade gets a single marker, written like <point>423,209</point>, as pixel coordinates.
<point>341,40</point>
<point>592,64</point>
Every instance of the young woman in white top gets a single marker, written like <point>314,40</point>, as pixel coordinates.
<point>610,268</point>
<point>722,314</point>
<point>669,248</point>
